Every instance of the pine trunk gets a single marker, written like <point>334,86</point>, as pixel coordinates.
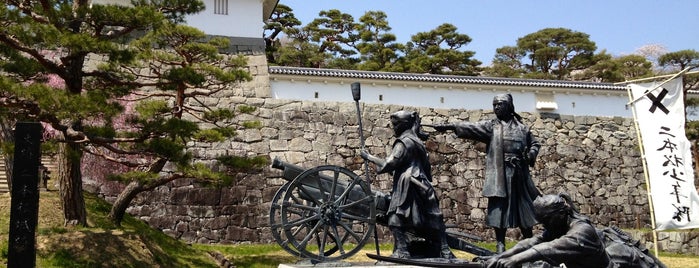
<point>134,188</point>
<point>123,200</point>
<point>71,189</point>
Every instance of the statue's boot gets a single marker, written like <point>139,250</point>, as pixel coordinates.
<point>400,244</point>
<point>500,239</point>
<point>445,252</point>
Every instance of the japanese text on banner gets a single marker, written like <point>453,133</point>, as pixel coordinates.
<point>660,116</point>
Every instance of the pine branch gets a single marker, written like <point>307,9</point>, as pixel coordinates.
<point>26,8</point>
<point>16,44</point>
<point>112,159</point>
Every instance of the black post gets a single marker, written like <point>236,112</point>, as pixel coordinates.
<point>24,207</point>
<point>356,95</point>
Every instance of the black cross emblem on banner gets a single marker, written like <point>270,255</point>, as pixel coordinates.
<point>657,102</point>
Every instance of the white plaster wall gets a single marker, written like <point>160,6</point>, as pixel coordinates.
<point>595,105</point>
<point>244,19</point>
<point>586,104</point>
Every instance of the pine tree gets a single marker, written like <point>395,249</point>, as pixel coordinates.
<point>112,61</point>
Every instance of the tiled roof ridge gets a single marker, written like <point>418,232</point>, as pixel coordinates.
<point>441,78</point>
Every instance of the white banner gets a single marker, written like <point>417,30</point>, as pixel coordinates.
<point>660,117</point>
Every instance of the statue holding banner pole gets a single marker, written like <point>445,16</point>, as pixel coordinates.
<point>414,205</point>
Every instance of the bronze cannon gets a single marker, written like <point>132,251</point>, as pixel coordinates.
<point>329,213</point>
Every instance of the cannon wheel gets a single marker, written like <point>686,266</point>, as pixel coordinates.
<point>275,218</point>
<point>328,213</point>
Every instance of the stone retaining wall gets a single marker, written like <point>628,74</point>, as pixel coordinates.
<point>684,242</point>
<point>594,159</point>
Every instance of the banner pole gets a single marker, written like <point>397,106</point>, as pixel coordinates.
<point>652,78</point>
<point>645,173</point>
<point>659,85</point>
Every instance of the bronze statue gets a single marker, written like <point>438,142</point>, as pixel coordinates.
<point>414,205</point>
<point>570,239</point>
<point>511,150</point>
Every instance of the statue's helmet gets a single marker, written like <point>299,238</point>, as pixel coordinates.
<point>546,206</point>
<point>503,97</point>
<point>402,121</point>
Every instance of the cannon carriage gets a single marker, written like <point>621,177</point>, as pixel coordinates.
<point>329,213</point>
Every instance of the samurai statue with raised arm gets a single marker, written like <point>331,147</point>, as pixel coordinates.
<point>510,150</point>
<point>414,207</point>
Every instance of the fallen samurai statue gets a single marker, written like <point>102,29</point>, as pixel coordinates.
<point>570,240</point>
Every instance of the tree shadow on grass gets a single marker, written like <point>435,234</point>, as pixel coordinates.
<point>262,261</point>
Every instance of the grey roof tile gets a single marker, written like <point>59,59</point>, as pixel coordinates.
<point>441,78</point>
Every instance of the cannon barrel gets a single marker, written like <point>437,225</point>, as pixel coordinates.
<point>291,171</point>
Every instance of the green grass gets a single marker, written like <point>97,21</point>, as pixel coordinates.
<point>135,244</point>
<point>254,256</point>
<point>102,244</point>
<point>271,255</point>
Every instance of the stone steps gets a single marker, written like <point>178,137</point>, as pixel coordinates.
<point>48,161</point>
<point>4,183</point>
<point>51,163</point>
<point>4,186</point>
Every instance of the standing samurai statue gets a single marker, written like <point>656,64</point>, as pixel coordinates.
<point>511,150</point>
<point>414,207</point>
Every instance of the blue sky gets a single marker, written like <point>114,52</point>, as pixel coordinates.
<point>619,26</point>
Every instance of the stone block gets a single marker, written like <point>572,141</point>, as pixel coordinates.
<point>201,212</point>
<point>217,223</point>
